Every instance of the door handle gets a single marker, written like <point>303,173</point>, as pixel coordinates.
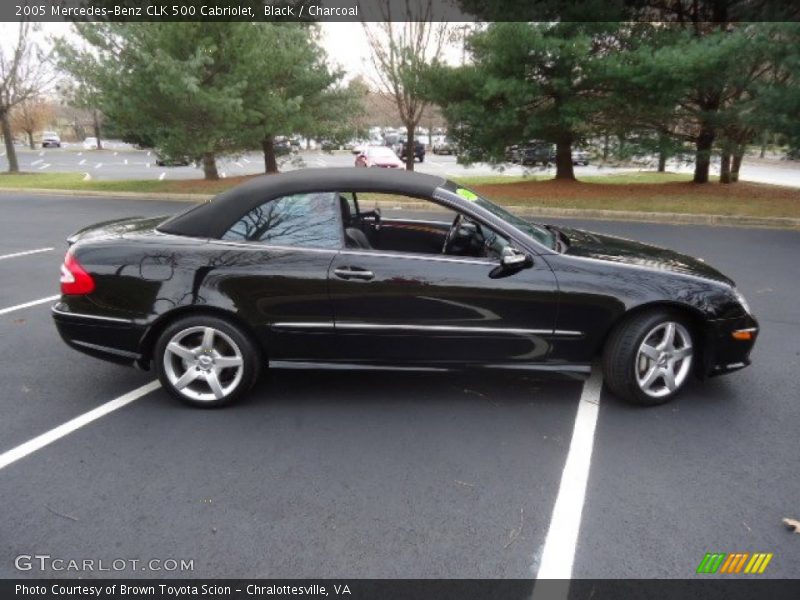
<point>350,273</point>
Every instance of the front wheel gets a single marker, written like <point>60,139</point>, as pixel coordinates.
<point>206,361</point>
<point>648,359</point>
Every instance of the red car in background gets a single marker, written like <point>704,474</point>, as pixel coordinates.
<point>379,156</point>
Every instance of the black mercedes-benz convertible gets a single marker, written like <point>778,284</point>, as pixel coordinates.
<point>292,270</point>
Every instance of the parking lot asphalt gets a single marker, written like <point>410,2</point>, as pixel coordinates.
<point>387,474</point>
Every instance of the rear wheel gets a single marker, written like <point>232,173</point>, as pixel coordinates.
<point>648,359</point>
<point>206,361</point>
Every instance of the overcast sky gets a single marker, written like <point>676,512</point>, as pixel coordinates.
<point>345,43</point>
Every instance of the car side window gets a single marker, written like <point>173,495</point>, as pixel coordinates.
<point>435,233</point>
<point>305,220</point>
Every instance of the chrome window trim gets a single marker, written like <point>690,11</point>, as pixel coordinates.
<point>430,257</point>
<point>262,245</point>
<point>65,313</point>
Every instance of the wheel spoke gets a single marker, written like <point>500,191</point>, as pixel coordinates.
<point>680,353</point>
<point>228,361</point>
<point>214,384</point>
<point>669,337</point>
<point>188,377</point>
<point>649,351</point>
<point>181,351</point>
<point>208,338</point>
<point>669,379</point>
<point>650,378</point>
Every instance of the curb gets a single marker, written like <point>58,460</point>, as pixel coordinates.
<point>523,211</point>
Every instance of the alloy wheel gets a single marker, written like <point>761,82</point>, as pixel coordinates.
<point>664,359</point>
<point>203,363</point>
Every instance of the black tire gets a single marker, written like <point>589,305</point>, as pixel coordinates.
<point>251,360</point>
<point>621,354</point>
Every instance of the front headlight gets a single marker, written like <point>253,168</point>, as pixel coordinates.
<point>743,301</point>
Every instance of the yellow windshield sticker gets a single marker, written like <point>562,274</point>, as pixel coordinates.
<point>466,194</point>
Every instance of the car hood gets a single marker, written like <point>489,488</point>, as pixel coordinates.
<point>587,244</point>
<point>116,228</point>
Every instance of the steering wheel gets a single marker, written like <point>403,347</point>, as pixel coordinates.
<point>375,213</point>
<point>451,235</point>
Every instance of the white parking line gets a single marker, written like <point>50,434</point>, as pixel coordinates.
<point>5,311</point>
<point>44,166</point>
<point>98,165</point>
<point>25,253</point>
<point>47,438</point>
<point>558,553</point>
<point>161,177</point>
<point>82,162</point>
<point>36,162</point>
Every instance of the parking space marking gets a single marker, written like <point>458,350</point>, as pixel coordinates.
<point>48,437</point>
<point>5,311</point>
<point>25,253</point>
<point>558,553</point>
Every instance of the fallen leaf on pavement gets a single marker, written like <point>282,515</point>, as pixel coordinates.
<point>792,524</point>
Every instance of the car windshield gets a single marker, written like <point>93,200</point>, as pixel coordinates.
<point>537,232</point>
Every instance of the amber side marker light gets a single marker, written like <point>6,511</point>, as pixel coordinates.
<point>744,334</point>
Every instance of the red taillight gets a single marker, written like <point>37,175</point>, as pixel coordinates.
<point>74,280</point>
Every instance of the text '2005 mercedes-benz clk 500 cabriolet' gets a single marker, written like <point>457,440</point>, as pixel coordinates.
<point>290,270</point>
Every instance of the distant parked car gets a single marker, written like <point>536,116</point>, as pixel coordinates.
<point>580,157</point>
<point>419,149</point>
<point>532,154</point>
<point>444,146</point>
<point>379,156</point>
<point>163,160</point>
<point>282,146</point>
<point>90,143</point>
<point>792,154</point>
<point>328,145</point>
<point>512,154</point>
<point>50,139</point>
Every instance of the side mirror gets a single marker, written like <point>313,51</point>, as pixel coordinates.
<point>512,261</point>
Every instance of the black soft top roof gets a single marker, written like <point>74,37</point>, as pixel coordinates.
<point>212,219</point>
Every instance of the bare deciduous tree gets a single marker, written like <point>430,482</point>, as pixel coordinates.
<point>401,52</point>
<point>24,73</point>
<point>31,116</point>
